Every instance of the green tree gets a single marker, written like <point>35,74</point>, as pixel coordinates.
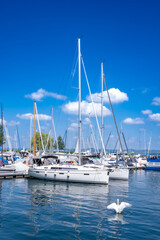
<point>38,142</point>
<point>61,144</point>
<point>2,138</point>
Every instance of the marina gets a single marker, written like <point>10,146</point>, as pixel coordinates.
<point>80,120</point>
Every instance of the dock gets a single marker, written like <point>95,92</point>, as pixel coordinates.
<point>7,175</point>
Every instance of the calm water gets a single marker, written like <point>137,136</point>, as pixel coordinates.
<point>37,209</point>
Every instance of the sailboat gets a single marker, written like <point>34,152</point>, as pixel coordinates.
<point>88,173</point>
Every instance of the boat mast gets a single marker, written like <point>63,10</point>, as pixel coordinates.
<point>2,129</point>
<point>30,133</point>
<point>102,106</point>
<point>51,143</point>
<point>34,130</point>
<point>79,104</point>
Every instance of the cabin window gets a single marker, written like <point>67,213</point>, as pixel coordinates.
<point>86,173</point>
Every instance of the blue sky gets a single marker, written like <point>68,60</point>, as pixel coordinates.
<point>38,46</point>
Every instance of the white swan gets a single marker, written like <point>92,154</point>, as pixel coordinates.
<point>119,207</point>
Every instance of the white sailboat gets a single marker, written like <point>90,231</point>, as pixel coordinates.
<point>89,173</point>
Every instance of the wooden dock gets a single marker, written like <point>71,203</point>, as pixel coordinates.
<point>7,175</point>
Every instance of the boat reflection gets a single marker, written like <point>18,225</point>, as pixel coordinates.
<point>64,203</point>
<point>118,189</point>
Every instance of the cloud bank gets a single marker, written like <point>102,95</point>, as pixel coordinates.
<point>86,109</point>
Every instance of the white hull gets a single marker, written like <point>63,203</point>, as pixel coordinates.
<point>16,167</point>
<point>119,174</point>
<point>70,173</point>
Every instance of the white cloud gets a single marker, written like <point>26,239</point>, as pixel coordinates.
<point>132,121</point>
<point>146,112</point>
<point>115,94</point>
<point>30,115</point>
<point>42,93</point>
<point>156,101</point>
<point>155,117</point>
<point>86,109</point>
<point>86,121</point>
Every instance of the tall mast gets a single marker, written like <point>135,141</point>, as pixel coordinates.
<point>51,139</point>
<point>2,129</point>
<point>79,104</point>
<point>30,133</point>
<point>102,106</point>
<point>34,130</point>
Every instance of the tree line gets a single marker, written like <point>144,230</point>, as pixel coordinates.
<point>48,142</point>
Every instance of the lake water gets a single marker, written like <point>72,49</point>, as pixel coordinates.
<point>37,209</point>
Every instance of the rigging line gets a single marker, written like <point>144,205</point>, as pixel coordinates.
<point>55,132</point>
<point>18,137</point>
<point>39,127</point>
<point>47,141</point>
<point>91,127</point>
<point>75,61</point>
<point>71,75</point>
<point>125,143</point>
<point>113,115</point>
<point>108,140</point>
<point>93,107</point>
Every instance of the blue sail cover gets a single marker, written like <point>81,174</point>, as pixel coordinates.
<point>2,161</point>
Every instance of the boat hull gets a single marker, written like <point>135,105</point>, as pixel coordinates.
<point>153,164</point>
<point>71,175</point>
<point>153,168</point>
<point>119,174</point>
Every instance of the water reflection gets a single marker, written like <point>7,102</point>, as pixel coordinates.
<point>118,218</point>
<point>65,203</point>
<point>118,189</point>
<point>0,205</point>
<point>70,205</point>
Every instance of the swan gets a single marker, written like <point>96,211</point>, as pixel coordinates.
<point>118,207</point>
